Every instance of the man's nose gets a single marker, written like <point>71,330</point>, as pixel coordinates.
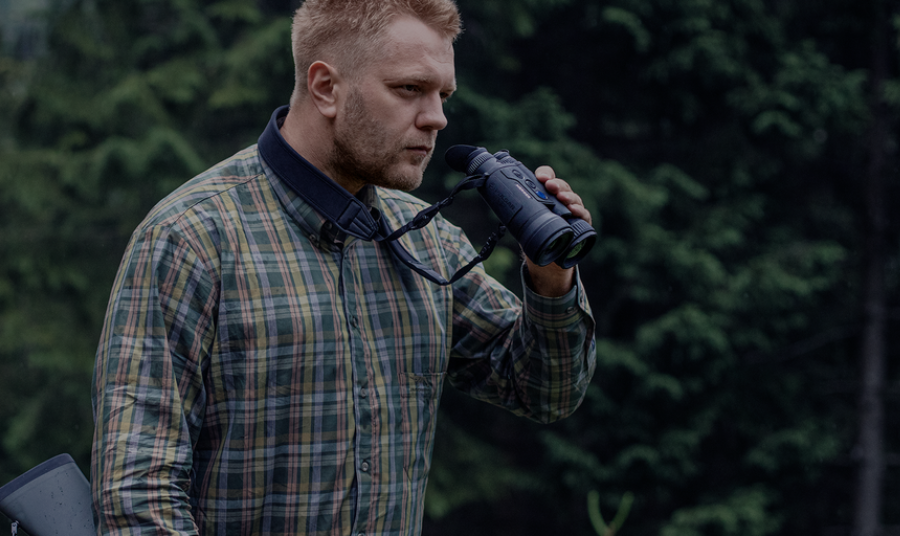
<point>431,116</point>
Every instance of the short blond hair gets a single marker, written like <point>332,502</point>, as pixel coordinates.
<point>344,31</point>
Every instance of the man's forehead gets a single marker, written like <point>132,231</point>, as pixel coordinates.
<point>408,35</point>
<point>416,54</point>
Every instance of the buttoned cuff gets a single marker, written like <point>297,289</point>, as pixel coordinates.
<point>558,312</point>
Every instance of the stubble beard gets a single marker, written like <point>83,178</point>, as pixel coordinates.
<point>363,152</point>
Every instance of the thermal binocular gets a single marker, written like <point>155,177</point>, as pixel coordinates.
<point>544,227</point>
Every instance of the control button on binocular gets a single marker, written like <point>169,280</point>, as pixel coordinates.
<point>539,193</point>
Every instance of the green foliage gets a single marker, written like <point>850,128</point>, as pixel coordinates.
<point>478,472</point>
<point>716,144</point>
<point>597,521</point>
<point>133,99</point>
<point>744,513</point>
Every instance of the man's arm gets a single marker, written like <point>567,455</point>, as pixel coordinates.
<point>148,387</point>
<point>535,358</point>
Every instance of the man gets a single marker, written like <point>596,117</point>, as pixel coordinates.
<point>262,369</point>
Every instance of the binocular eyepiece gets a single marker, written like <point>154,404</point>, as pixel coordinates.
<point>544,227</point>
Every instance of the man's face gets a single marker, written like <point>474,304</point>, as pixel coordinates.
<point>388,121</point>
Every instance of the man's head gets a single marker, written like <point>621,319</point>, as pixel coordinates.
<point>344,33</point>
<point>372,77</point>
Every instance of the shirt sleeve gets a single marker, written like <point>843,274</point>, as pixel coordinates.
<point>148,394</point>
<point>535,358</point>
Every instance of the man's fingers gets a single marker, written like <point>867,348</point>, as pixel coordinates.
<point>544,173</point>
<point>563,191</point>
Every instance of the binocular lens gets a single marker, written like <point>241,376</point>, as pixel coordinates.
<point>574,251</point>
<point>544,237</point>
<point>553,250</point>
<point>581,244</point>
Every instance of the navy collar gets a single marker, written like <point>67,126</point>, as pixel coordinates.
<point>348,213</point>
<point>327,197</point>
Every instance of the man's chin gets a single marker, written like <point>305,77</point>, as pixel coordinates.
<point>405,180</point>
<point>404,184</point>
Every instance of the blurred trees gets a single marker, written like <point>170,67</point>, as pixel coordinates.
<point>738,157</point>
<point>735,153</point>
<point>131,98</point>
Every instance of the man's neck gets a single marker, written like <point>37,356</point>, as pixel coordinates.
<point>310,134</point>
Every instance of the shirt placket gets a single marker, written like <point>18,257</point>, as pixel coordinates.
<point>362,390</point>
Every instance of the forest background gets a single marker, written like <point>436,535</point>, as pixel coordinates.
<point>739,157</point>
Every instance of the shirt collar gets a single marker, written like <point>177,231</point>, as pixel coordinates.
<point>338,211</point>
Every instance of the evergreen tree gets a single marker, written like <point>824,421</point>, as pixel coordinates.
<point>131,99</point>
<point>719,143</point>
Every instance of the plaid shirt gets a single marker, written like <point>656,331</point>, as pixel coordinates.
<point>260,374</point>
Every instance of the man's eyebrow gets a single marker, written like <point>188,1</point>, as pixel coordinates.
<point>422,79</point>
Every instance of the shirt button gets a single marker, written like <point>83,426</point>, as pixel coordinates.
<point>354,322</point>
<point>363,392</point>
<point>364,467</point>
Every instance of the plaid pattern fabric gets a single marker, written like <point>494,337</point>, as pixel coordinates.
<point>259,374</point>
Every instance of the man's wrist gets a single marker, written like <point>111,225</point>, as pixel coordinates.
<point>551,281</point>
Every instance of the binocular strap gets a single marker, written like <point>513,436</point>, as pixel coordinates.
<point>421,220</point>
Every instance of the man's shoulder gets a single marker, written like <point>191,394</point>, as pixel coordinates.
<point>233,172</point>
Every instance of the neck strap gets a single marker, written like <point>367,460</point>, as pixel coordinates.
<point>348,213</point>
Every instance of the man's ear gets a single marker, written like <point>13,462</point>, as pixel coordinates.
<point>322,80</point>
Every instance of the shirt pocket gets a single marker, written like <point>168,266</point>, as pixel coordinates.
<point>419,397</point>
